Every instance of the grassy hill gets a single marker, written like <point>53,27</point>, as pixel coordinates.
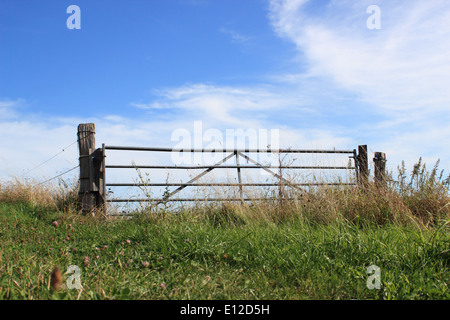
<point>318,247</point>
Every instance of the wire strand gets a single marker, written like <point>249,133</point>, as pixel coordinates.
<point>40,165</point>
<point>59,175</point>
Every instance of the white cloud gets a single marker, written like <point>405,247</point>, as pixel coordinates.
<point>235,36</point>
<point>8,108</point>
<point>399,73</point>
<point>25,145</point>
<point>226,106</point>
<point>402,66</point>
<point>32,140</point>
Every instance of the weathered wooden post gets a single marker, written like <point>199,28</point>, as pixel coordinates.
<point>379,162</point>
<point>90,194</point>
<point>363,165</point>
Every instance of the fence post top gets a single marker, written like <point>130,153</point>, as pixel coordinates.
<point>86,127</point>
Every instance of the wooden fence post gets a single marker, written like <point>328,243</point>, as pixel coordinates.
<point>363,165</point>
<point>91,190</point>
<point>379,162</point>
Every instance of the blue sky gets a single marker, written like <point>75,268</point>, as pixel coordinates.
<point>126,49</point>
<point>142,69</point>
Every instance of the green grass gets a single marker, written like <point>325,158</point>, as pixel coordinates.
<point>184,256</point>
<point>316,247</point>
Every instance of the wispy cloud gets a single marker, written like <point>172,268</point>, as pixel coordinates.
<point>8,108</point>
<point>149,106</point>
<point>400,72</point>
<point>386,88</point>
<point>234,35</point>
<point>402,66</point>
<point>28,140</point>
<point>227,106</point>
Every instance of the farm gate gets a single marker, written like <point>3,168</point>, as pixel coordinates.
<point>93,167</point>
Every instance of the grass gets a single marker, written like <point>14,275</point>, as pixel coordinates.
<point>318,247</point>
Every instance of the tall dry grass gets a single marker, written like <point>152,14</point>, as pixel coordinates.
<point>419,197</point>
<point>61,195</point>
<point>425,192</point>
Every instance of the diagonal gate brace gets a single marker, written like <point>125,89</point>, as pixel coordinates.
<point>270,171</point>
<point>197,177</point>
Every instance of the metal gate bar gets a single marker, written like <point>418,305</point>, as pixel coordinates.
<point>221,184</point>
<point>220,165</point>
<point>228,167</point>
<point>226,150</point>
